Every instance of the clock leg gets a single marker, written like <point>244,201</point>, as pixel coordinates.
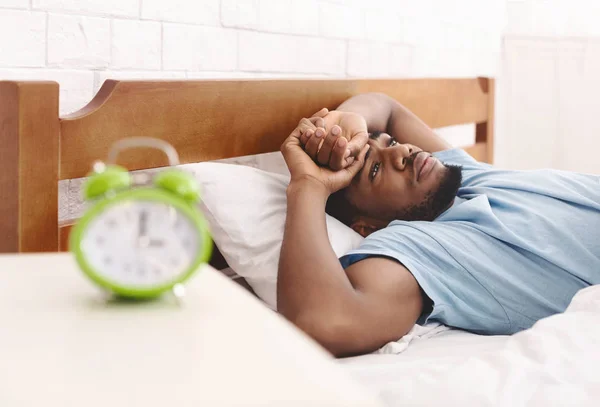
<point>179,292</point>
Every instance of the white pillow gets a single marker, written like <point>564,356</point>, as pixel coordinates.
<point>246,208</point>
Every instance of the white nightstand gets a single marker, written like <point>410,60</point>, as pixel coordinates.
<point>63,344</point>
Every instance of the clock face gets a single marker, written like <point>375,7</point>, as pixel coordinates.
<point>141,243</point>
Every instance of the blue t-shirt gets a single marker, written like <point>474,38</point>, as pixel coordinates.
<point>515,247</point>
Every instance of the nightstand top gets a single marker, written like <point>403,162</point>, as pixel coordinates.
<point>63,342</point>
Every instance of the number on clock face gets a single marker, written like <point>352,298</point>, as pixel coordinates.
<point>141,243</point>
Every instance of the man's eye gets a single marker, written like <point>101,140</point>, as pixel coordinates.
<point>374,171</point>
<point>392,142</point>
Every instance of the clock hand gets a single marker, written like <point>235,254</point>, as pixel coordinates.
<point>142,239</point>
<point>158,264</point>
<point>156,243</point>
<point>143,224</point>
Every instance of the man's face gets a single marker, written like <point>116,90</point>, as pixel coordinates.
<point>401,181</point>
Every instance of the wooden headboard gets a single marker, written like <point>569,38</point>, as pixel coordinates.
<point>203,120</point>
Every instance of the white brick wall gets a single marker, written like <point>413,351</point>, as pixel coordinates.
<point>341,21</point>
<point>136,44</point>
<point>81,43</point>
<point>78,41</point>
<point>22,38</point>
<point>182,11</point>
<point>196,48</point>
<point>286,53</point>
<point>241,13</point>
<point>281,16</point>
<point>384,24</point>
<point>375,59</point>
<point>15,3</point>
<point>289,16</point>
<point>125,8</point>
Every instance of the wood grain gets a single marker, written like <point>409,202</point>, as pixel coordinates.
<point>208,120</point>
<point>29,138</point>
<point>9,176</point>
<point>484,132</point>
<point>63,237</point>
<point>478,151</point>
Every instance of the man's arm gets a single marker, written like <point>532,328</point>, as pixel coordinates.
<point>383,113</point>
<point>350,311</point>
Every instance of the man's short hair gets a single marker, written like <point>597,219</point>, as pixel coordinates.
<point>340,208</point>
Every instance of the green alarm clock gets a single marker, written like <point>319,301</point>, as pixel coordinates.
<point>143,235</point>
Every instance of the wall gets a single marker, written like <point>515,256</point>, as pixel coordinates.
<point>549,69</point>
<point>80,43</point>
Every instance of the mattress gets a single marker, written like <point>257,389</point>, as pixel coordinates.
<point>555,363</point>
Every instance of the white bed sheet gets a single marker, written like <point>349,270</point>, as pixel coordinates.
<point>555,363</point>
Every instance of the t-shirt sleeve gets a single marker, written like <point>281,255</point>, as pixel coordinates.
<point>402,247</point>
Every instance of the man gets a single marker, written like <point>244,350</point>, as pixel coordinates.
<point>448,239</point>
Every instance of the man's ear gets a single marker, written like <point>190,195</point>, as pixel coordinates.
<point>364,226</point>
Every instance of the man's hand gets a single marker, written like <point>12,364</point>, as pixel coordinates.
<point>302,167</point>
<point>328,148</point>
<point>311,124</point>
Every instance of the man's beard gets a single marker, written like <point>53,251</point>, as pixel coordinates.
<point>436,201</point>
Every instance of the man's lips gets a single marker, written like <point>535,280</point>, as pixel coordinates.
<point>423,164</point>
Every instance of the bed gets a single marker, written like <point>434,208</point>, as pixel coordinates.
<point>219,119</point>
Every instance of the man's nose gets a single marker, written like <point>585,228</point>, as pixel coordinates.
<point>398,156</point>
